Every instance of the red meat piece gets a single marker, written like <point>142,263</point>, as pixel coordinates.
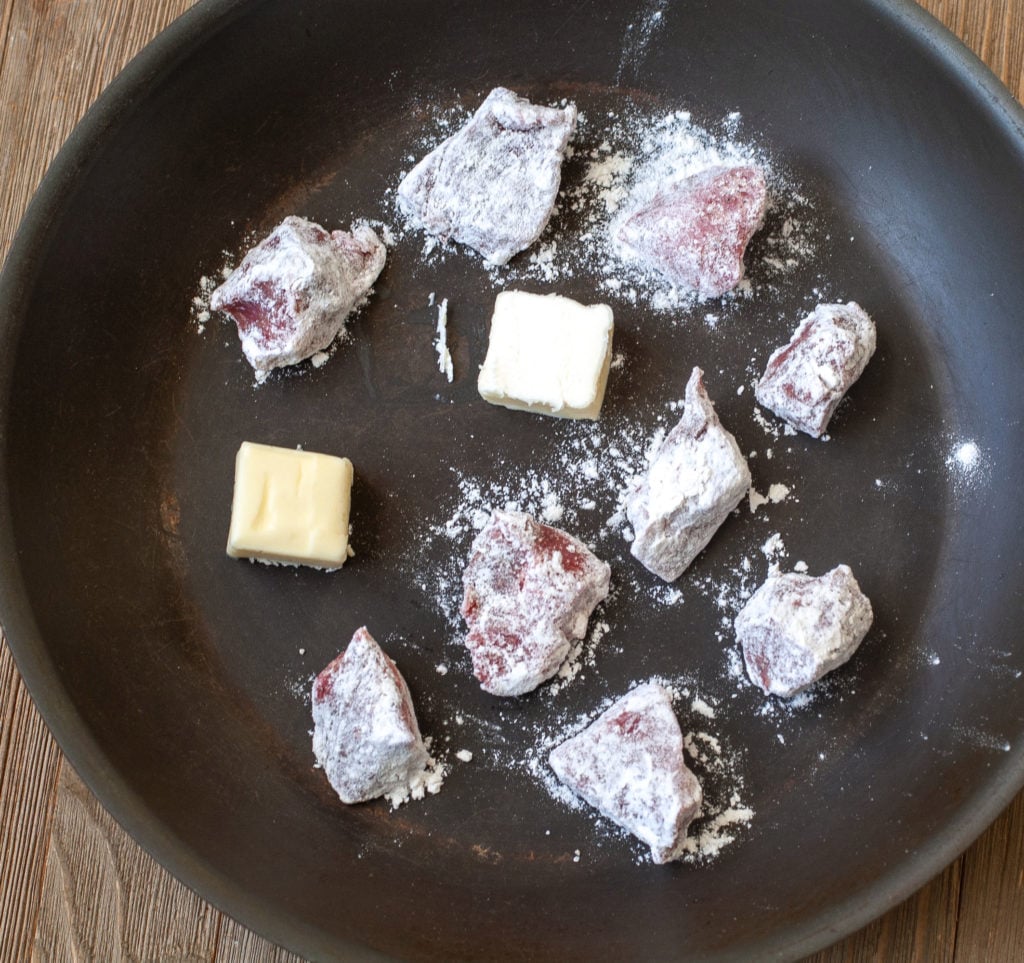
<point>529,591</point>
<point>629,764</point>
<point>806,379</point>
<point>293,291</point>
<point>696,478</point>
<point>695,233</point>
<point>492,185</point>
<point>795,628</point>
<point>365,733</point>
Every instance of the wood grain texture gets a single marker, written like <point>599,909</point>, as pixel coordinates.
<point>993,30</point>
<point>991,921</point>
<point>922,929</point>
<point>29,766</point>
<point>239,945</point>
<point>103,898</point>
<point>73,885</point>
<point>57,58</point>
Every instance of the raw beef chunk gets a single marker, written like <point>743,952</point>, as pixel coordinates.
<point>696,478</point>
<point>529,591</point>
<point>493,184</point>
<point>629,764</point>
<point>291,294</point>
<point>365,733</point>
<point>806,379</point>
<point>795,628</point>
<point>695,232</point>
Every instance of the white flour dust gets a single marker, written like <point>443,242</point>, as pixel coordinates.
<point>581,490</point>
<point>444,356</point>
<point>619,159</point>
<point>968,466</point>
<point>634,155</point>
<point>777,492</point>
<point>639,34</point>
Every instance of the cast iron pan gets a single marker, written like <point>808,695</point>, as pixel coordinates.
<point>171,675</point>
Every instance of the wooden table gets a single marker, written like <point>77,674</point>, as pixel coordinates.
<point>73,885</point>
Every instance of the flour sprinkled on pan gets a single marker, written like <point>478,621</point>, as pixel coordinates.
<point>639,34</point>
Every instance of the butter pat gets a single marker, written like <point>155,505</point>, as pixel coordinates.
<point>290,507</point>
<point>547,354</point>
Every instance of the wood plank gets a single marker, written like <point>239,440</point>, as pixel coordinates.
<point>29,767</point>
<point>5,26</point>
<point>51,69</point>
<point>236,944</point>
<point>994,30</point>
<point>922,929</point>
<point>991,924</point>
<point>57,59</point>
<point>105,899</point>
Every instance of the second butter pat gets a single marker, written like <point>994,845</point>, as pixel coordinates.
<point>547,354</point>
<point>290,507</point>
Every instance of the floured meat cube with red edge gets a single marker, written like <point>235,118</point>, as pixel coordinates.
<point>795,628</point>
<point>529,591</point>
<point>293,291</point>
<point>696,477</point>
<point>365,733</point>
<point>696,232</point>
<point>492,185</point>
<point>806,379</point>
<point>629,764</point>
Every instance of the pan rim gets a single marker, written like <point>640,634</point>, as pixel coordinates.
<point>87,756</point>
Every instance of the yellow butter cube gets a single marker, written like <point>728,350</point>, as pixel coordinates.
<point>290,507</point>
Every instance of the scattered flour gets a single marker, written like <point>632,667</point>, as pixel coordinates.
<point>200,306</point>
<point>637,39</point>
<point>968,466</point>
<point>702,708</point>
<point>719,831</point>
<point>430,780</point>
<point>774,549</point>
<point>776,493</point>
<point>966,456</point>
<point>444,356</point>
<point>619,160</point>
<point>982,739</point>
<point>582,654</point>
<point>771,428</point>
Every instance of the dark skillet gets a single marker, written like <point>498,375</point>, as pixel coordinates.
<point>166,670</point>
